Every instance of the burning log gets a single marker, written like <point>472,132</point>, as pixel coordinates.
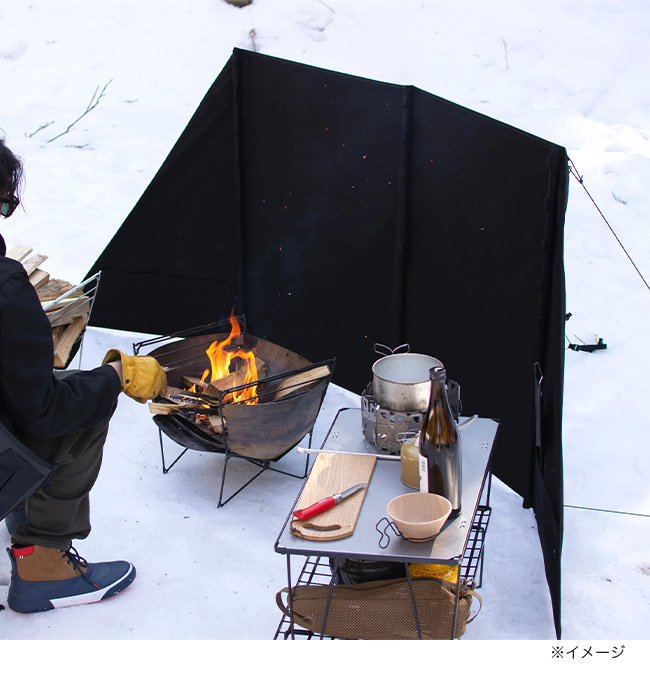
<point>192,382</point>
<point>231,366</point>
<point>238,377</point>
<point>227,382</point>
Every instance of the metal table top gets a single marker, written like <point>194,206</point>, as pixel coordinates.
<point>345,435</point>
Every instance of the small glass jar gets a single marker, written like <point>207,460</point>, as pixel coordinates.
<point>410,454</point>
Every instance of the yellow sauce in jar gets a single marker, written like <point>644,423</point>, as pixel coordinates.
<point>410,454</point>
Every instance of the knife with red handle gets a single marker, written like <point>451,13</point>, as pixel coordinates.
<point>327,503</point>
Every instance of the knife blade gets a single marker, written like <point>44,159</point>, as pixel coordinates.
<point>327,503</point>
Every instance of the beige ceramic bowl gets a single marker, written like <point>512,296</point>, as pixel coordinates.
<point>419,516</point>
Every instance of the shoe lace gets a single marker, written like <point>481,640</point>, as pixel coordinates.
<point>75,559</point>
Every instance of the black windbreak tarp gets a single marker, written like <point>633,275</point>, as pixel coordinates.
<point>337,212</point>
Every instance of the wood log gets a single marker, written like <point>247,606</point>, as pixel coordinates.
<point>38,278</point>
<point>53,289</point>
<point>66,339</point>
<point>216,423</point>
<point>162,409</point>
<point>299,380</point>
<point>188,405</point>
<point>32,263</point>
<point>181,396</point>
<point>231,380</point>
<point>174,391</point>
<point>19,253</point>
<point>182,400</point>
<point>191,381</point>
<point>69,318</point>
<point>51,306</point>
<point>64,315</point>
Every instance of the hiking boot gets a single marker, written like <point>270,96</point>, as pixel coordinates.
<point>47,578</point>
<point>15,518</point>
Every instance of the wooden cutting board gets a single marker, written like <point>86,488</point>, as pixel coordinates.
<point>333,473</point>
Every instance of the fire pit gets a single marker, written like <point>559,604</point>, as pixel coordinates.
<point>237,394</point>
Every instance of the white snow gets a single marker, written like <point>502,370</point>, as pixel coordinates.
<point>572,72</point>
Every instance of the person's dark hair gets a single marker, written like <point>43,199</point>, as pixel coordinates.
<point>11,171</point>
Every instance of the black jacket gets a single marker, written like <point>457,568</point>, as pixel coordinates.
<point>35,403</point>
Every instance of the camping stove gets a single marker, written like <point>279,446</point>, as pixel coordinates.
<point>387,430</point>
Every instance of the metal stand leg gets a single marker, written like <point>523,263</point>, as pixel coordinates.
<point>415,608</point>
<point>335,569</point>
<point>263,464</point>
<point>455,616</point>
<point>290,600</point>
<point>162,454</point>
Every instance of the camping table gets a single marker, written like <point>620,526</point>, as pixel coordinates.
<point>460,543</point>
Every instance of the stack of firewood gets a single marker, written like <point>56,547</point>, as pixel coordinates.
<point>66,305</point>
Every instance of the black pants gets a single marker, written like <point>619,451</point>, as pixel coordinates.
<point>60,512</point>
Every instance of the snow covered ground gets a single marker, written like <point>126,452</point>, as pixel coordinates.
<point>572,72</point>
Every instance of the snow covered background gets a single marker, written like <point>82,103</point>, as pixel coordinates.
<point>572,72</point>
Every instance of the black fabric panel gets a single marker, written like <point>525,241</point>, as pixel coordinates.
<point>485,209</point>
<point>320,178</point>
<point>341,212</point>
<point>477,222</point>
<point>179,302</point>
<point>548,464</point>
<point>186,225</point>
<point>550,528</point>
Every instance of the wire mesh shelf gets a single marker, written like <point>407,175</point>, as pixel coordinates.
<point>316,571</point>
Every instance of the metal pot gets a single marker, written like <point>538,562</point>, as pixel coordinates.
<point>400,380</point>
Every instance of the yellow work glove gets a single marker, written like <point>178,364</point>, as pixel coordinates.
<point>142,377</point>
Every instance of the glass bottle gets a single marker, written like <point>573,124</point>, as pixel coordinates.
<point>440,450</point>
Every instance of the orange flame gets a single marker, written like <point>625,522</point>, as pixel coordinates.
<point>221,360</point>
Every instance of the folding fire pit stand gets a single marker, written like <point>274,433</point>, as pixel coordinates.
<point>182,432</point>
<point>460,543</point>
<point>174,430</point>
<point>260,433</point>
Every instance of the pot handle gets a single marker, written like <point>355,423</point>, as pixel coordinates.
<point>388,351</point>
